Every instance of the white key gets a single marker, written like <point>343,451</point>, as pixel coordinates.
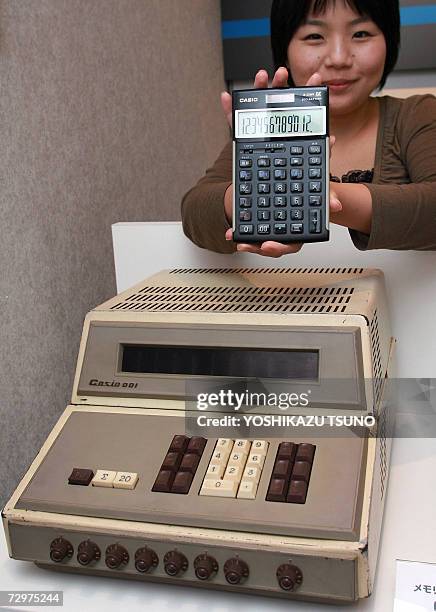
<point>260,447</point>
<point>242,446</point>
<point>247,489</point>
<point>219,488</point>
<point>233,472</point>
<point>219,457</point>
<point>252,474</point>
<point>256,460</point>
<point>216,470</point>
<point>237,459</point>
<point>125,480</point>
<point>224,444</point>
<point>103,478</point>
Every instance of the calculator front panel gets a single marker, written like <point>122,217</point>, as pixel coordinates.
<point>138,445</point>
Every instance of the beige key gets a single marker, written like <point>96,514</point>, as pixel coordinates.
<point>252,474</point>
<point>247,489</point>
<point>103,478</point>
<point>260,447</point>
<point>219,457</point>
<point>224,444</point>
<point>238,459</point>
<point>242,446</point>
<point>125,480</point>
<point>219,488</point>
<point>233,472</point>
<point>216,470</point>
<point>256,460</point>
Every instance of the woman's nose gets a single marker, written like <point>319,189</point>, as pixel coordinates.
<point>339,54</point>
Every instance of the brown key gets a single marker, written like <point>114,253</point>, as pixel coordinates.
<point>276,490</point>
<point>163,481</point>
<point>189,463</point>
<point>182,482</point>
<point>297,492</point>
<point>301,471</point>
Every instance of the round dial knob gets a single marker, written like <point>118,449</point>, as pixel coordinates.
<point>235,570</point>
<point>60,549</point>
<point>145,559</point>
<point>88,552</point>
<point>116,555</point>
<point>289,577</point>
<point>205,566</point>
<point>175,562</point>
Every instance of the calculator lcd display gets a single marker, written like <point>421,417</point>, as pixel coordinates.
<point>281,123</point>
<point>234,362</point>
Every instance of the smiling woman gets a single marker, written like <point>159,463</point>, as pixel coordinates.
<point>385,147</point>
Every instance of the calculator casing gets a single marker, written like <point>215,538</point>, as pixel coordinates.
<point>295,214</point>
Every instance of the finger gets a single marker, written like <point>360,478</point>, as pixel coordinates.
<point>229,234</point>
<point>314,80</point>
<point>226,104</point>
<point>335,203</point>
<point>261,79</point>
<point>277,249</point>
<point>280,78</point>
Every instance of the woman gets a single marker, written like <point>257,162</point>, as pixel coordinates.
<point>385,148</point>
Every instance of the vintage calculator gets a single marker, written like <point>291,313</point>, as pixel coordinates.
<point>281,165</point>
<point>131,484</point>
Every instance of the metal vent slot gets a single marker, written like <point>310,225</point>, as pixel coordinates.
<point>238,299</point>
<point>267,271</point>
<point>382,430</point>
<point>376,359</point>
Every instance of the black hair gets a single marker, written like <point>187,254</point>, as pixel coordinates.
<point>288,15</point>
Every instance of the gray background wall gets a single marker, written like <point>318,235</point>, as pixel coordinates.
<point>105,109</point>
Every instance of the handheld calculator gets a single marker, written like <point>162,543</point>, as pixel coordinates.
<point>281,165</point>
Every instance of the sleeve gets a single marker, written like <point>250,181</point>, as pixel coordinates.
<point>203,217</point>
<point>404,216</point>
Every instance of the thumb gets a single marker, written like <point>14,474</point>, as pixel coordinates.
<point>315,80</point>
<point>226,104</point>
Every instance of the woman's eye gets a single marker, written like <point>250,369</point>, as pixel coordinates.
<point>313,36</point>
<point>362,34</point>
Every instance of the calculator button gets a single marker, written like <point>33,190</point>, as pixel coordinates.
<point>224,444</point>
<point>297,215</point>
<point>301,471</point>
<point>252,473</point>
<point>297,201</point>
<point>279,161</point>
<point>245,163</point>
<point>216,470</point>
<point>296,161</point>
<point>280,201</point>
<point>182,482</point>
<point>277,490</point>
<point>234,472</point>
<point>245,202</point>
<point>297,492</point>
<point>315,187</point>
<point>189,463</point>
<point>279,187</point>
<point>172,461</point>
<point>219,488</point>
<point>163,481</point>
<point>296,228</point>
<point>128,480</point>
<point>287,450</point>
<point>245,215</point>
<point>263,215</point>
<point>256,460</point>
<point>263,175</point>
<point>315,161</point>
<point>315,173</point>
<point>305,452</point>
<point>179,444</point>
<point>296,150</point>
<point>315,222</point>
<point>265,228</point>
<point>279,228</point>
<point>220,456</point>
<point>196,444</point>
<point>260,447</point>
<point>243,446</point>
<point>245,175</point>
<point>237,458</point>
<point>297,187</point>
<point>246,229</point>
<point>103,478</point>
<point>263,202</point>
<point>315,150</point>
<point>280,215</point>
<point>296,174</point>
<point>263,188</point>
<point>315,200</point>
<point>282,468</point>
<point>245,188</point>
<point>280,175</point>
<point>263,162</point>
<point>247,489</point>
<point>80,476</point>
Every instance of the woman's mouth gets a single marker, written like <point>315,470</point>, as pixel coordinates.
<point>338,85</point>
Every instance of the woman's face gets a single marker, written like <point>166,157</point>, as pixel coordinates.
<point>347,50</point>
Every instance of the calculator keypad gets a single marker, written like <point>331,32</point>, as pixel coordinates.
<point>281,178</point>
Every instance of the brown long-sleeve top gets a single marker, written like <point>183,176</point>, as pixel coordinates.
<point>403,188</point>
